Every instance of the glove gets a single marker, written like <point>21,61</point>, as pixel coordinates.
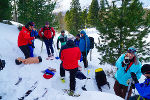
<point>133,86</point>
<point>33,46</point>
<point>133,75</point>
<point>123,64</point>
<point>58,49</point>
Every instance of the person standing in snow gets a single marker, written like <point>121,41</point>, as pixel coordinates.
<point>69,55</point>
<point>142,88</point>
<point>48,35</point>
<point>34,33</point>
<point>84,46</point>
<point>126,64</point>
<point>24,39</point>
<point>77,40</point>
<point>62,39</point>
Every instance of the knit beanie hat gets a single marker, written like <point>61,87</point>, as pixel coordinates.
<point>145,69</point>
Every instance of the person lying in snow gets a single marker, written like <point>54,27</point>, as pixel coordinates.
<point>31,60</point>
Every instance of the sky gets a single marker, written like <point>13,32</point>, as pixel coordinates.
<point>64,5</point>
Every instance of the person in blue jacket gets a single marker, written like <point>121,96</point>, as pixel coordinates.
<point>34,33</point>
<point>142,88</point>
<point>126,64</point>
<point>77,40</point>
<point>84,46</point>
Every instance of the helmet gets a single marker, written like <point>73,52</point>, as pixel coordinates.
<point>145,69</point>
<point>131,50</point>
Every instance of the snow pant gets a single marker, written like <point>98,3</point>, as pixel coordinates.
<point>31,51</point>
<point>26,50</point>
<point>84,55</point>
<point>48,43</point>
<point>121,90</point>
<point>137,97</point>
<point>72,76</point>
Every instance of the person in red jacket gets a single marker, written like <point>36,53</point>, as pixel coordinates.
<point>48,35</point>
<point>24,39</point>
<point>69,55</point>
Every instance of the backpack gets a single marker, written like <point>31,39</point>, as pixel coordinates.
<point>101,79</point>
<point>91,42</point>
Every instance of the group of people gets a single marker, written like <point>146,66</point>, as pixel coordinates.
<point>70,50</point>
<point>128,65</point>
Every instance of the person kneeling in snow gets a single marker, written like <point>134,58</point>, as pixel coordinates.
<point>69,55</point>
<point>142,88</point>
<point>31,60</point>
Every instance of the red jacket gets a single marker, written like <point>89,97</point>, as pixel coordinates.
<point>70,54</point>
<point>47,32</point>
<point>24,37</point>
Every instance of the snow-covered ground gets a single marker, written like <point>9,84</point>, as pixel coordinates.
<point>9,51</point>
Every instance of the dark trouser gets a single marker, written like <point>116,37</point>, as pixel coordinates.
<point>26,50</point>
<point>120,90</point>
<point>72,76</point>
<point>85,59</point>
<point>48,43</point>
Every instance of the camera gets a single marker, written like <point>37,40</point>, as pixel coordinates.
<point>126,60</point>
<point>2,64</point>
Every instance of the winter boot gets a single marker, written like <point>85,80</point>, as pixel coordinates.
<point>71,93</point>
<point>62,79</point>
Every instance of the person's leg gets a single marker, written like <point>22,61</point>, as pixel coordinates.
<point>72,78</point>
<point>62,70</point>
<point>117,89</point>
<point>84,54</point>
<point>26,51</point>
<point>31,51</point>
<point>51,47</point>
<point>47,47</point>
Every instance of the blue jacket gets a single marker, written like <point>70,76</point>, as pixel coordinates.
<point>144,89</point>
<point>77,42</point>
<point>122,76</point>
<point>33,34</point>
<point>82,43</point>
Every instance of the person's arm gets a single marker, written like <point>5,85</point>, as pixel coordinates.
<point>27,36</point>
<point>41,32</point>
<point>144,91</point>
<point>119,61</point>
<point>52,29</point>
<point>58,43</point>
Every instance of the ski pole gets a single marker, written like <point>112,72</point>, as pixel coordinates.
<point>41,47</point>
<point>83,87</point>
<point>130,81</point>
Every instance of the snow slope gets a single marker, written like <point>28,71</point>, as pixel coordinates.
<point>32,73</point>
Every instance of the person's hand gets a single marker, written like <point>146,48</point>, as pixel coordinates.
<point>123,64</point>
<point>134,77</point>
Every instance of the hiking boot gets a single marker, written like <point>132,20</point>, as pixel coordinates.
<point>71,93</point>
<point>62,79</point>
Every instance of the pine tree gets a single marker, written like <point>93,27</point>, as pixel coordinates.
<point>93,13</point>
<point>121,28</point>
<point>5,10</point>
<point>72,18</point>
<point>84,18</point>
<point>38,11</point>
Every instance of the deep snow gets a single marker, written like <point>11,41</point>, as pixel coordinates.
<point>9,51</point>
